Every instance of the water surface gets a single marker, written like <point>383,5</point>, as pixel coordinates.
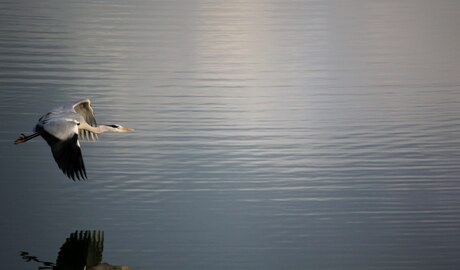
<point>269,134</point>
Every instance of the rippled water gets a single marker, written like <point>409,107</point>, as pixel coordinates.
<point>269,134</point>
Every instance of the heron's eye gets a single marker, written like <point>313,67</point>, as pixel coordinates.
<point>115,126</point>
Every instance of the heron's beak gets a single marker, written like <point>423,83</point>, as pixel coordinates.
<point>125,129</point>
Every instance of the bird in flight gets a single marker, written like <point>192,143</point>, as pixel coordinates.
<point>63,127</point>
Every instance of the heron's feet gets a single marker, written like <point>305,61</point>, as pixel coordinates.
<point>21,139</point>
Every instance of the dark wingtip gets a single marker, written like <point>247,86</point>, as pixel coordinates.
<point>76,175</point>
<point>81,175</point>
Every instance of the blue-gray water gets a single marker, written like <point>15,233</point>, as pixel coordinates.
<point>269,134</point>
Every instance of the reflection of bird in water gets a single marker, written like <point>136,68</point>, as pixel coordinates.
<point>62,127</point>
<point>81,251</point>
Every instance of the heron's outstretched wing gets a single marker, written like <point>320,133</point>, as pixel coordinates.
<point>66,152</point>
<point>83,108</point>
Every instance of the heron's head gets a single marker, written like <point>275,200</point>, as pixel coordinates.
<point>119,128</point>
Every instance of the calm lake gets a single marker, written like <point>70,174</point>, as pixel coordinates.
<point>268,134</point>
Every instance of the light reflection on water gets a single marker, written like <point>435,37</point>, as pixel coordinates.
<point>270,135</point>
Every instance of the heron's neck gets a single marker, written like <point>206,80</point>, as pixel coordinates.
<point>99,129</point>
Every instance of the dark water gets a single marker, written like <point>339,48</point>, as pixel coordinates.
<point>269,134</point>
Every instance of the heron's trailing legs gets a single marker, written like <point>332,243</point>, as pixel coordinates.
<point>24,138</point>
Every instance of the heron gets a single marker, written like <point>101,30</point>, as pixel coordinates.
<point>62,128</point>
